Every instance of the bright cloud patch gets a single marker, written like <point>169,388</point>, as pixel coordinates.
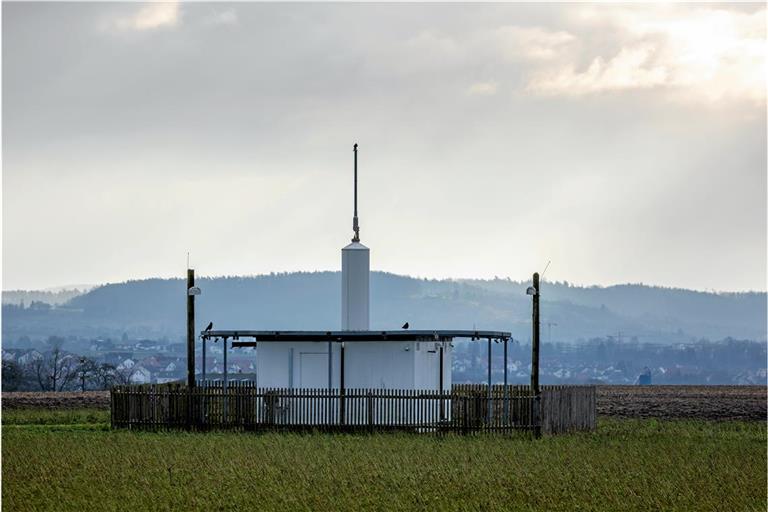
<point>706,53</point>
<point>152,16</point>
<point>531,42</point>
<point>627,70</point>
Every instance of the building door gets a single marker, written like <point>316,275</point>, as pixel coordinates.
<point>313,370</point>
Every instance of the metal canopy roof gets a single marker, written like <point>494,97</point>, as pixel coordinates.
<point>400,335</point>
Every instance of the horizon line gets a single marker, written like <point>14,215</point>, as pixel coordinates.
<point>90,286</point>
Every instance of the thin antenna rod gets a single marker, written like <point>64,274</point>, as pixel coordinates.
<point>355,225</point>
<point>545,269</point>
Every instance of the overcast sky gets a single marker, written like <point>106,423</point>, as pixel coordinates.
<point>624,143</point>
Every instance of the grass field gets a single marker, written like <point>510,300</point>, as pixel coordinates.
<point>69,460</point>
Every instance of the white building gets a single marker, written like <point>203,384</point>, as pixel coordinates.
<point>381,364</point>
<point>390,364</point>
<point>401,361</point>
<point>353,358</point>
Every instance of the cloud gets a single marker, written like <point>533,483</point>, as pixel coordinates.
<point>483,88</point>
<point>696,53</point>
<point>630,69</point>
<point>228,17</point>
<point>531,42</point>
<point>151,16</point>
<point>434,43</point>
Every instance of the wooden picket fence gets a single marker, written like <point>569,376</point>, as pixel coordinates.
<point>466,409</point>
<point>562,409</point>
<point>568,409</point>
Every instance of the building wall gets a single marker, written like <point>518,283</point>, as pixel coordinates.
<point>293,365</point>
<point>367,365</point>
<point>379,365</point>
<point>427,365</point>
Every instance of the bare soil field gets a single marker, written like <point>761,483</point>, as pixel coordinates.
<point>62,400</point>
<point>664,402</point>
<point>683,402</point>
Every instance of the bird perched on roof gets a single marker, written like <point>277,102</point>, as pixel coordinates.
<point>210,326</point>
<point>405,325</point>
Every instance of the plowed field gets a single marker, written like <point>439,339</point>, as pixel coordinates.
<point>683,402</point>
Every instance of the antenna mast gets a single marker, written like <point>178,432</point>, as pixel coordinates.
<point>355,225</point>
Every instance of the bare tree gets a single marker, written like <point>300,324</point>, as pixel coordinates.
<point>39,368</point>
<point>55,370</point>
<point>105,376</point>
<point>86,371</point>
<point>123,375</point>
<point>13,376</point>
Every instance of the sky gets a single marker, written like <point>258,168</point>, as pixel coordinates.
<point>623,143</point>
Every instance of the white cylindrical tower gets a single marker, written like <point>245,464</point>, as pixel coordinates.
<point>355,276</point>
<point>355,283</point>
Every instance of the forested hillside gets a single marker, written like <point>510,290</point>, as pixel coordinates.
<point>156,308</point>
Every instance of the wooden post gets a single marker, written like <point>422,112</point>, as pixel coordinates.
<point>490,388</point>
<point>190,344</point>
<point>369,405</point>
<point>204,413</point>
<point>342,417</point>
<point>535,338</point>
<point>226,374</point>
<point>465,400</point>
<point>190,329</point>
<point>441,368</point>
<point>506,390</point>
<point>442,407</point>
<point>226,383</point>
<point>203,362</point>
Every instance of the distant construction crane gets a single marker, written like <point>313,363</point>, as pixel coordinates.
<point>549,330</point>
<point>622,334</point>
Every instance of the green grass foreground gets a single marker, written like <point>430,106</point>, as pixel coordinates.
<point>95,417</point>
<point>71,461</point>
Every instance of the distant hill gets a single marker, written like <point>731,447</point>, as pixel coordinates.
<point>54,296</point>
<point>311,300</point>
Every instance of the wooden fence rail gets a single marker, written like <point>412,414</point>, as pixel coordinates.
<point>465,409</point>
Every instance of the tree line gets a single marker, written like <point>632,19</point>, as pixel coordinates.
<point>57,370</point>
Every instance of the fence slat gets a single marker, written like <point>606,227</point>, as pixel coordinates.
<point>464,409</point>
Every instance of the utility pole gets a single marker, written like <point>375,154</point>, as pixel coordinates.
<point>190,329</point>
<point>535,357</point>
<point>535,336</point>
